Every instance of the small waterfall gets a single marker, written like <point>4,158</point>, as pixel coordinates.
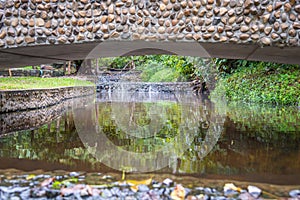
<point>109,91</point>
<point>150,88</point>
<point>109,88</point>
<point>150,96</point>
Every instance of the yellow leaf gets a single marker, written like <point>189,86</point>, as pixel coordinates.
<point>142,182</point>
<point>30,176</point>
<point>123,175</point>
<point>178,193</point>
<point>231,186</point>
<point>134,188</point>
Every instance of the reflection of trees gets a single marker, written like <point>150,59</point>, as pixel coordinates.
<point>138,115</point>
<point>119,141</point>
<point>53,142</point>
<point>258,139</point>
<point>161,130</point>
<point>255,139</point>
<point>268,124</point>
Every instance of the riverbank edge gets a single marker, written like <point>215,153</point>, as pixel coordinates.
<point>29,99</point>
<point>33,119</point>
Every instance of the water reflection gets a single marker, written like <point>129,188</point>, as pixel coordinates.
<point>258,143</point>
<point>157,130</point>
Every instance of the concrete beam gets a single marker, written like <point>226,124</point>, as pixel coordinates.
<point>36,55</point>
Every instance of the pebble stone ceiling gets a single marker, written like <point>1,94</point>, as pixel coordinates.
<point>33,31</point>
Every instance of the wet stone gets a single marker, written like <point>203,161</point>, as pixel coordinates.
<point>294,193</point>
<point>143,188</point>
<point>254,191</point>
<point>168,182</point>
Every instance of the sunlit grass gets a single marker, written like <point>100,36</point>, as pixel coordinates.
<point>10,83</point>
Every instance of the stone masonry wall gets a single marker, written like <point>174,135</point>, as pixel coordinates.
<point>48,22</point>
<point>144,87</point>
<point>30,120</point>
<point>18,100</point>
<point>31,72</point>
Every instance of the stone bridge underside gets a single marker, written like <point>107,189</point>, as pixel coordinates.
<point>44,31</point>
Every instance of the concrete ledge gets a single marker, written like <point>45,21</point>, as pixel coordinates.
<point>164,87</point>
<point>31,72</point>
<point>35,55</point>
<point>20,100</point>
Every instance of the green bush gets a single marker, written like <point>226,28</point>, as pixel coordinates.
<point>263,83</point>
<point>165,75</point>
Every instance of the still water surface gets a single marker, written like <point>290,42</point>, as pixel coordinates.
<point>163,133</point>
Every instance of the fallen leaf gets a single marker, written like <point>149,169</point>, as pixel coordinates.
<point>134,188</point>
<point>142,182</point>
<point>135,183</point>
<point>30,176</point>
<point>231,186</point>
<point>178,193</point>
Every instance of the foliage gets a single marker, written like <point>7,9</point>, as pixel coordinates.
<point>29,67</point>
<point>138,119</point>
<point>8,83</point>
<point>155,72</point>
<point>121,62</point>
<point>263,82</point>
<point>166,68</point>
<point>155,68</point>
<point>165,75</point>
<point>205,70</point>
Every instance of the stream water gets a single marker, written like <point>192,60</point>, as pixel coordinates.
<point>161,133</point>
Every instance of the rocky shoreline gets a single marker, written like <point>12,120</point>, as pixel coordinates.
<point>81,185</point>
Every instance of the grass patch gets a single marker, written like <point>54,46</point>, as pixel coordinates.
<point>10,83</point>
<point>258,84</point>
<point>156,72</point>
<point>26,68</point>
